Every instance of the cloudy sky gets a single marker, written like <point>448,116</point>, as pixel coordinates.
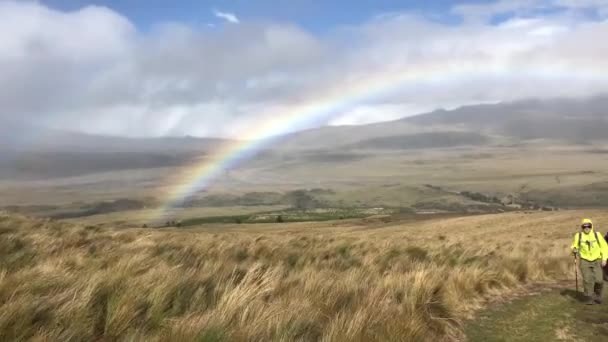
<point>221,68</point>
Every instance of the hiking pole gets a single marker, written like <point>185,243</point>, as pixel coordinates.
<point>576,271</point>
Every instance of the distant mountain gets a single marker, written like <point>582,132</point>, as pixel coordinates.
<point>29,151</point>
<point>488,114</point>
<point>569,120</point>
<point>331,137</point>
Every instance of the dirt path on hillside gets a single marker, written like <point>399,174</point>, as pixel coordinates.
<point>556,314</point>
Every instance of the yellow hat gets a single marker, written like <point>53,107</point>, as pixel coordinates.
<point>586,221</point>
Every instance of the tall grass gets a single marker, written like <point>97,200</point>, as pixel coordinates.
<point>315,282</point>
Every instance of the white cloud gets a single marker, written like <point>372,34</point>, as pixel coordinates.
<point>365,114</point>
<point>230,17</point>
<point>92,70</point>
<point>548,30</point>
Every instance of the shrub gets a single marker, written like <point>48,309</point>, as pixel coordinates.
<point>416,253</point>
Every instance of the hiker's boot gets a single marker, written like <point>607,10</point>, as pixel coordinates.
<point>597,289</point>
<point>588,300</point>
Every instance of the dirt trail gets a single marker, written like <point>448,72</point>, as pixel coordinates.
<point>553,315</point>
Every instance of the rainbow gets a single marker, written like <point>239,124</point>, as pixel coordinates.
<point>338,98</point>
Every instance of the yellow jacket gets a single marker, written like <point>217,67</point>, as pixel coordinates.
<point>589,248</point>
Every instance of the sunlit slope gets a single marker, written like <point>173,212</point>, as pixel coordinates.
<point>353,280</point>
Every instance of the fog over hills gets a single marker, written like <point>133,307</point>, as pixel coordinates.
<point>24,137</point>
<point>38,152</point>
<point>34,152</point>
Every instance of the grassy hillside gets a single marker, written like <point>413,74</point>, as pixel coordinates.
<point>424,140</point>
<point>353,280</point>
<point>540,173</point>
<point>44,164</point>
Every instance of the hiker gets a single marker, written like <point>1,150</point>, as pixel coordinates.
<point>592,251</point>
<point>606,266</point>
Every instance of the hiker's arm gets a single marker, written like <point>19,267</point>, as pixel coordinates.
<point>574,246</point>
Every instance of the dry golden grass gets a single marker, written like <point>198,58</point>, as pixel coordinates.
<point>346,281</point>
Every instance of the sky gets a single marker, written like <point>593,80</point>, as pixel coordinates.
<point>225,68</point>
<point>316,16</point>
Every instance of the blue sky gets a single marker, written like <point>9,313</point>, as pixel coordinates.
<point>315,15</point>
